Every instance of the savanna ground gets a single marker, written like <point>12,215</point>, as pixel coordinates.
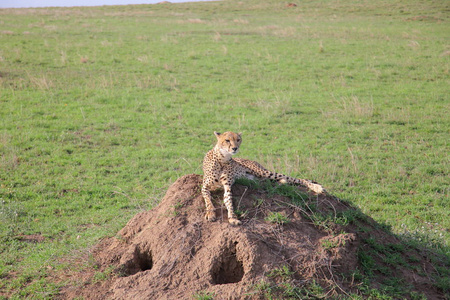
<point>102,108</point>
<point>291,245</point>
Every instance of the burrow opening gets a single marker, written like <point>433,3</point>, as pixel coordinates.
<point>142,261</point>
<point>229,269</point>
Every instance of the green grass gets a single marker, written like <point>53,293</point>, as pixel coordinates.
<point>203,296</point>
<point>102,108</point>
<point>277,218</point>
<point>280,284</point>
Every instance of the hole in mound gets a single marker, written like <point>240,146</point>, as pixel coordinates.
<point>142,261</point>
<point>229,270</point>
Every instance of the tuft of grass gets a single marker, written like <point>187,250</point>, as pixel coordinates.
<point>282,272</point>
<point>203,295</point>
<point>329,244</point>
<point>277,218</point>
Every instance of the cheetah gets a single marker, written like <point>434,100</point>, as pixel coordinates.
<point>221,170</point>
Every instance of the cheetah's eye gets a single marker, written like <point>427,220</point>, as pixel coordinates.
<point>227,141</point>
<point>239,140</point>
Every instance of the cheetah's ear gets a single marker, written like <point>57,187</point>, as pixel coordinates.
<point>240,134</point>
<point>217,134</point>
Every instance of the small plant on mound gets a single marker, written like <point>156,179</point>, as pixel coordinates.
<point>330,244</point>
<point>283,273</point>
<point>277,218</point>
<point>241,213</point>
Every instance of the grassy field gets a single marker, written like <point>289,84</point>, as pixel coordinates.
<point>102,108</point>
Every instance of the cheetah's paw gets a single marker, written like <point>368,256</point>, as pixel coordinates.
<point>234,221</point>
<point>210,215</point>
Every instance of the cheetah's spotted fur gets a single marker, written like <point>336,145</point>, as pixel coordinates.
<point>221,170</point>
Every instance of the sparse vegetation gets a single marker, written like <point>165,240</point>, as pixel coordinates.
<point>103,107</point>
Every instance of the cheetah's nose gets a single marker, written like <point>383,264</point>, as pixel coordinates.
<point>234,149</point>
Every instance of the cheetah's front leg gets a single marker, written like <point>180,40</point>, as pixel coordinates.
<point>228,200</point>
<point>210,211</point>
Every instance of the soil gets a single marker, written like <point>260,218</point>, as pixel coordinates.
<point>172,252</point>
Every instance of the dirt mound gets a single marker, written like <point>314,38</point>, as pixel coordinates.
<point>290,246</point>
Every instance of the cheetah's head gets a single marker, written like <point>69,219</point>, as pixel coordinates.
<point>228,142</point>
